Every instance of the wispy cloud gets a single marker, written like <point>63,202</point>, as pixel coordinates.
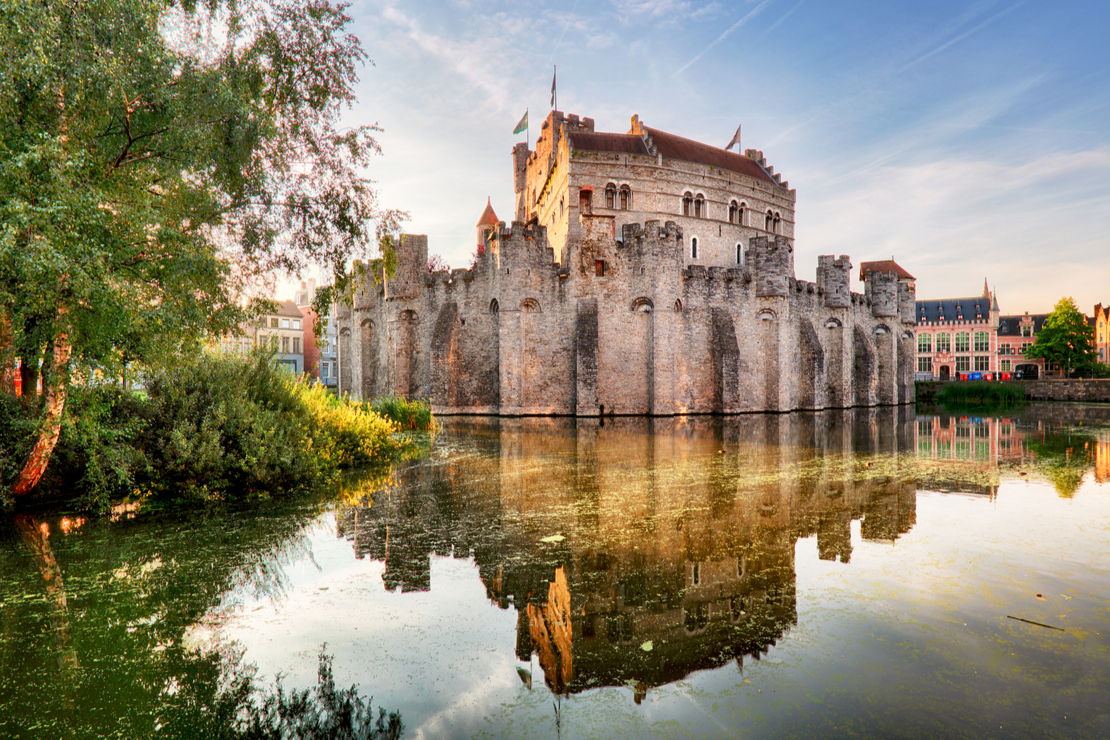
<point>964,35</point>
<point>653,8</point>
<point>731,29</point>
<point>789,13</point>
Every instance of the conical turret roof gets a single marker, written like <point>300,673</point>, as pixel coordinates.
<point>489,218</point>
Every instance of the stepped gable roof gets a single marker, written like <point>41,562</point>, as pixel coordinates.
<point>619,143</point>
<point>884,266</point>
<point>289,308</point>
<point>489,218</point>
<point>1010,326</point>
<point>688,150</point>
<point>949,310</point>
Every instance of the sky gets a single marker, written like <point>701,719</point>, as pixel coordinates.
<point>967,140</point>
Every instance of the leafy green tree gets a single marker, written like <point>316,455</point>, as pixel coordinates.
<point>1066,339</point>
<point>158,159</point>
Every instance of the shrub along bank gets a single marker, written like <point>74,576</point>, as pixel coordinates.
<point>219,428</point>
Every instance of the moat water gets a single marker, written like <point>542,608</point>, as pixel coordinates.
<point>870,573</point>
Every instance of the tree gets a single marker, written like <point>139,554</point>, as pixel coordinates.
<point>158,158</point>
<point>1066,339</point>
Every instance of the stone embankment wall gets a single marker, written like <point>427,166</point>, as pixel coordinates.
<point>1067,390</point>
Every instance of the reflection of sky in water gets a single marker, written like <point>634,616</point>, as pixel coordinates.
<point>910,638</point>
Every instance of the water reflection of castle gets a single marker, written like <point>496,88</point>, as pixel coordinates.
<point>640,550</point>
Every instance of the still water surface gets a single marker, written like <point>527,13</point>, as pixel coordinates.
<point>847,574</point>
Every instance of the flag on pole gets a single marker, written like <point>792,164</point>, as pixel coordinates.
<point>523,123</point>
<point>554,71</point>
<point>735,140</point>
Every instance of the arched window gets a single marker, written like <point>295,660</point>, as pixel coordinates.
<point>699,206</point>
<point>694,248</point>
<point>626,197</point>
<point>687,203</point>
<point>740,213</point>
<point>770,219</point>
<point>739,253</point>
<point>494,306</point>
<point>777,221</point>
<point>610,195</point>
<point>732,209</point>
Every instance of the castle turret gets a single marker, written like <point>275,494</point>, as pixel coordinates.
<point>834,280</point>
<point>486,224</point>
<point>772,264</point>
<point>889,288</point>
<point>520,180</point>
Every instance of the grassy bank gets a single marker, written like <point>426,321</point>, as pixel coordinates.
<point>222,427</point>
<point>966,394</point>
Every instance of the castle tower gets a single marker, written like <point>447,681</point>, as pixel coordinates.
<point>890,288</point>
<point>772,264</point>
<point>833,280</point>
<point>520,181</point>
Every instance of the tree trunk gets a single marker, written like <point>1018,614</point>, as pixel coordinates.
<point>54,391</point>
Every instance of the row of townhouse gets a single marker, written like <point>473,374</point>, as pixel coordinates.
<point>290,333</point>
<point>961,336</point>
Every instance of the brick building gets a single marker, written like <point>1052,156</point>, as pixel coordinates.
<point>645,273</point>
<point>1015,334</point>
<point>957,336</point>
<point>1101,323</point>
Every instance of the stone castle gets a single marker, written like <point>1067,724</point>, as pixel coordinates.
<point>610,294</point>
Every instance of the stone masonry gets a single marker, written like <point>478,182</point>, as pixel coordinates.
<point>645,274</point>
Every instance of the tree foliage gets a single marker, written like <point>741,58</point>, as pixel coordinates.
<point>1066,339</point>
<point>157,160</point>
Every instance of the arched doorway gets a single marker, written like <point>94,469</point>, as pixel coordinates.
<point>944,372</point>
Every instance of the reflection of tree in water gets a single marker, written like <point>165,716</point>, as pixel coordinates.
<point>643,550</point>
<point>1064,457</point>
<point>96,615</point>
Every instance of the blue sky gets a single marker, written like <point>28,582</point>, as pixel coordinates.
<point>968,140</point>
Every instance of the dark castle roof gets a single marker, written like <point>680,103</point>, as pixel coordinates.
<point>951,309</point>
<point>1010,326</point>
<point>671,147</point>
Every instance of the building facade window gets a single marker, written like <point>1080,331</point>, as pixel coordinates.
<point>776,222</point>
<point>296,345</point>
<point>610,195</point>
<point>963,341</point>
<point>699,206</point>
<point>1027,330</point>
<point>944,343</point>
<point>273,323</point>
<point>285,345</point>
<point>924,364</point>
<point>687,204</point>
<point>769,219</point>
<point>732,210</point>
<point>740,254</point>
<point>626,197</point>
<point>924,343</point>
<point>694,248</point>
<point>1004,366</point>
<point>963,364</point>
<point>982,341</point>
<point>585,201</point>
<point>982,363</point>
<point>285,323</point>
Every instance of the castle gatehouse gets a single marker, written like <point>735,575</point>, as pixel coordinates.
<point>643,273</point>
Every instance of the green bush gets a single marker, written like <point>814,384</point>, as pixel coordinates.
<point>975,393</point>
<point>409,415</point>
<point>220,427</point>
